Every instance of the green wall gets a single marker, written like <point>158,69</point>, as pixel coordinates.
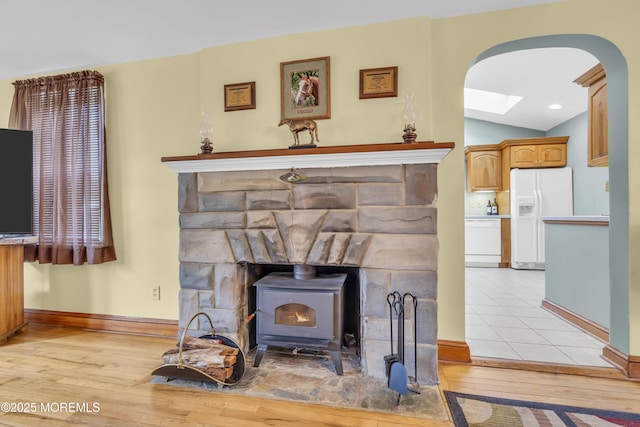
<point>590,195</point>
<point>577,270</point>
<point>479,132</point>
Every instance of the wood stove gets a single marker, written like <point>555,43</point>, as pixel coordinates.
<point>300,311</point>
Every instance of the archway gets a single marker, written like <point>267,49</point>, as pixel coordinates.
<point>617,84</point>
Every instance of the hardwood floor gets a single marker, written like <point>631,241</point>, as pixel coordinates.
<point>106,376</point>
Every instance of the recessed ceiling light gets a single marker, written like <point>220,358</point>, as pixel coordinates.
<point>490,102</point>
<point>554,107</point>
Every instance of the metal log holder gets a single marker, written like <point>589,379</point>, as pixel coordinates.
<point>181,370</point>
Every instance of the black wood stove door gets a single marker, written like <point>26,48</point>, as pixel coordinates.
<point>296,313</point>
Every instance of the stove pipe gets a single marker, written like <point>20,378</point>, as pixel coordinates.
<point>304,271</point>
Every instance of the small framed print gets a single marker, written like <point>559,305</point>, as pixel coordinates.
<point>240,96</point>
<point>379,83</point>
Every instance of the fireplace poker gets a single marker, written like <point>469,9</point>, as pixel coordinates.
<point>414,386</point>
<point>398,372</point>
<point>391,357</point>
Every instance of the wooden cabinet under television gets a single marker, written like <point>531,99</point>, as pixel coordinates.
<point>598,145</point>
<point>11,289</point>
<point>483,168</point>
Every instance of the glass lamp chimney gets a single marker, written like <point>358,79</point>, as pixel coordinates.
<point>409,117</point>
<point>206,129</point>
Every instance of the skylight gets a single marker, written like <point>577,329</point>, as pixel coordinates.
<point>489,102</point>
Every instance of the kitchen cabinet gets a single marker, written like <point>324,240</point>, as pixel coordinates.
<point>598,145</point>
<point>538,156</point>
<point>523,153</point>
<point>488,165</point>
<point>484,169</point>
<point>505,240</point>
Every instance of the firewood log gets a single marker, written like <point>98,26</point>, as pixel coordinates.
<point>199,358</point>
<point>221,374</point>
<point>191,343</point>
<point>214,351</point>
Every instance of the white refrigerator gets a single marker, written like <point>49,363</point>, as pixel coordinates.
<point>536,193</point>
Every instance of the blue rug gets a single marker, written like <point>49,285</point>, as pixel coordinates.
<point>483,411</point>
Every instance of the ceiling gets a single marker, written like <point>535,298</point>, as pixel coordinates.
<point>542,77</point>
<point>71,34</point>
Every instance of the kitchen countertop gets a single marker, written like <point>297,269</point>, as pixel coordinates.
<point>486,216</point>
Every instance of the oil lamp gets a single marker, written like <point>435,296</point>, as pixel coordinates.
<point>205,134</point>
<point>409,117</point>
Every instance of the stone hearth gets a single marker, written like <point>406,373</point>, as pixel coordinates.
<point>381,219</point>
<point>309,378</point>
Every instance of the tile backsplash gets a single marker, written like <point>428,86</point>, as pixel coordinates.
<point>476,203</point>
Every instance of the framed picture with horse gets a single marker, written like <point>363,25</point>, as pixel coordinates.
<point>305,90</point>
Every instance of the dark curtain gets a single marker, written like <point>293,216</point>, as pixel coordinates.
<point>71,201</point>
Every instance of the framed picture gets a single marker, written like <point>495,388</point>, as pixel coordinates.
<point>379,83</point>
<point>305,89</point>
<point>240,96</point>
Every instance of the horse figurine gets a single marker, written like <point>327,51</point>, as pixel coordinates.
<point>299,125</point>
<point>307,86</point>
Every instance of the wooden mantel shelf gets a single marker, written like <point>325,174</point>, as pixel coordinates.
<point>320,157</point>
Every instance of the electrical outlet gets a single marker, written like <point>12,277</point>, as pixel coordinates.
<point>606,185</point>
<point>156,293</point>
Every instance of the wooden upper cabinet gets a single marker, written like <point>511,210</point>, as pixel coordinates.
<point>484,169</point>
<point>552,155</point>
<point>524,156</point>
<point>488,165</point>
<point>598,145</point>
<point>539,156</point>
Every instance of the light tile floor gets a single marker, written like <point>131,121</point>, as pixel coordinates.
<point>504,319</point>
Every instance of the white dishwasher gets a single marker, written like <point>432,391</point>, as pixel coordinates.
<point>482,242</point>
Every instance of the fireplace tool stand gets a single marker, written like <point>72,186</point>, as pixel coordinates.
<point>397,378</point>
<point>413,385</point>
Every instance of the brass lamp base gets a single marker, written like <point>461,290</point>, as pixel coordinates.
<point>206,147</point>
<point>409,136</point>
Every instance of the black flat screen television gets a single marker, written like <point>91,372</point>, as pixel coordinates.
<point>16,182</point>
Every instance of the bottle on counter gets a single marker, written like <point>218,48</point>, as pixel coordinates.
<point>489,209</point>
<point>494,207</point>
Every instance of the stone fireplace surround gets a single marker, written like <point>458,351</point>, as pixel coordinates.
<point>373,207</point>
